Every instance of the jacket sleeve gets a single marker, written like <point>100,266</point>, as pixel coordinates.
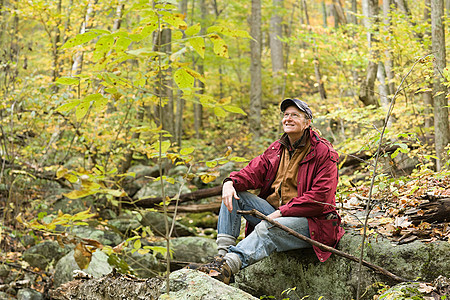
<point>253,175</point>
<point>313,202</point>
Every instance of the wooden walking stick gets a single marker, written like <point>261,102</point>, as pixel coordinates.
<point>324,247</point>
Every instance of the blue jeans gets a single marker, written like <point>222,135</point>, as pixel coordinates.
<point>265,238</point>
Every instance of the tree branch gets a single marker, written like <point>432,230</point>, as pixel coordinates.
<point>324,247</point>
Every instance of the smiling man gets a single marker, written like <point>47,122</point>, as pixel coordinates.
<point>297,177</point>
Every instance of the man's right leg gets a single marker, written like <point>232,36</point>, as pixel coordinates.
<point>229,224</point>
<point>229,227</point>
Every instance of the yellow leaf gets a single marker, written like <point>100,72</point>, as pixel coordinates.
<point>207,178</point>
<point>194,29</point>
<point>220,48</point>
<point>76,194</point>
<point>82,110</point>
<point>218,111</point>
<point>198,43</point>
<point>186,151</point>
<point>183,79</point>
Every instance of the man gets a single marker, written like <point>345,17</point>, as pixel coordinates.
<point>297,177</point>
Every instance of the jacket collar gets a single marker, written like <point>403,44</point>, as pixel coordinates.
<point>284,140</point>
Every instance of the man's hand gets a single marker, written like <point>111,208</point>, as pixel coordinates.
<point>275,214</point>
<point>228,192</point>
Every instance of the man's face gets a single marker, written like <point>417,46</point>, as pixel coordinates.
<point>294,122</point>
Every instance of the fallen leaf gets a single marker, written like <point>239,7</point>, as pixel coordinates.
<point>425,288</point>
<point>402,222</point>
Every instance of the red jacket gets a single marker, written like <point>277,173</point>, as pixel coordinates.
<point>317,180</point>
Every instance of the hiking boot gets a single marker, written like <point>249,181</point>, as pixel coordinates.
<point>217,269</point>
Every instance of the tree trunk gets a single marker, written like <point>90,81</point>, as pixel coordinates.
<point>255,70</point>
<point>427,95</point>
<point>388,65</point>
<point>276,47</point>
<point>198,108</point>
<point>383,90</point>
<point>324,14</point>
<point>367,88</point>
<point>162,43</point>
<point>183,7</point>
<point>111,286</point>
<point>78,60</point>
<point>179,108</point>
<point>128,156</point>
<point>179,120</point>
<point>55,45</point>
<point>351,13</point>
<point>441,124</point>
<point>340,18</point>
<point>118,16</point>
<point>437,211</point>
<point>197,195</point>
<point>317,73</point>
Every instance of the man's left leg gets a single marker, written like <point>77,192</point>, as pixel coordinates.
<point>266,239</point>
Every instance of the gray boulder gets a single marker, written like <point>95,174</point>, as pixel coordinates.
<point>337,277</point>
<point>153,188</point>
<point>156,223</point>
<point>125,224</point>
<point>194,285</point>
<point>106,237</point>
<point>184,249</point>
<point>70,206</point>
<point>29,294</point>
<point>143,265</point>
<point>192,249</point>
<point>44,254</point>
<point>5,296</point>
<point>98,267</point>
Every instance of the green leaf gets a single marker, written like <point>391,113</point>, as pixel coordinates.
<point>194,29</point>
<point>82,110</point>
<point>234,109</point>
<point>76,194</point>
<point>177,35</point>
<point>183,79</point>
<point>137,244</point>
<point>173,20</point>
<point>238,159</point>
<point>218,111</point>
<point>100,31</point>
<point>68,106</point>
<point>220,48</point>
<point>102,47</point>
<point>122,44</point>
<point>186,151</point>
<point>79,39</point>
<point>195,74</point>
<point>143,52</point>
<point>68,80</point>
<point>211,164</point>
<point>148,29</point>
<point>198,43</point>
<point>228,32</point>
<point>165,145</point>
<point>100,104</point>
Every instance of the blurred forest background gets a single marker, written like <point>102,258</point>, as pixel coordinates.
<point>93,89</point>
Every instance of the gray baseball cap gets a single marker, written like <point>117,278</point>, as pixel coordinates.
<point>297,103</point>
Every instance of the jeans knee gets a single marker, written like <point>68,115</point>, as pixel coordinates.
<point>262,229</point>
